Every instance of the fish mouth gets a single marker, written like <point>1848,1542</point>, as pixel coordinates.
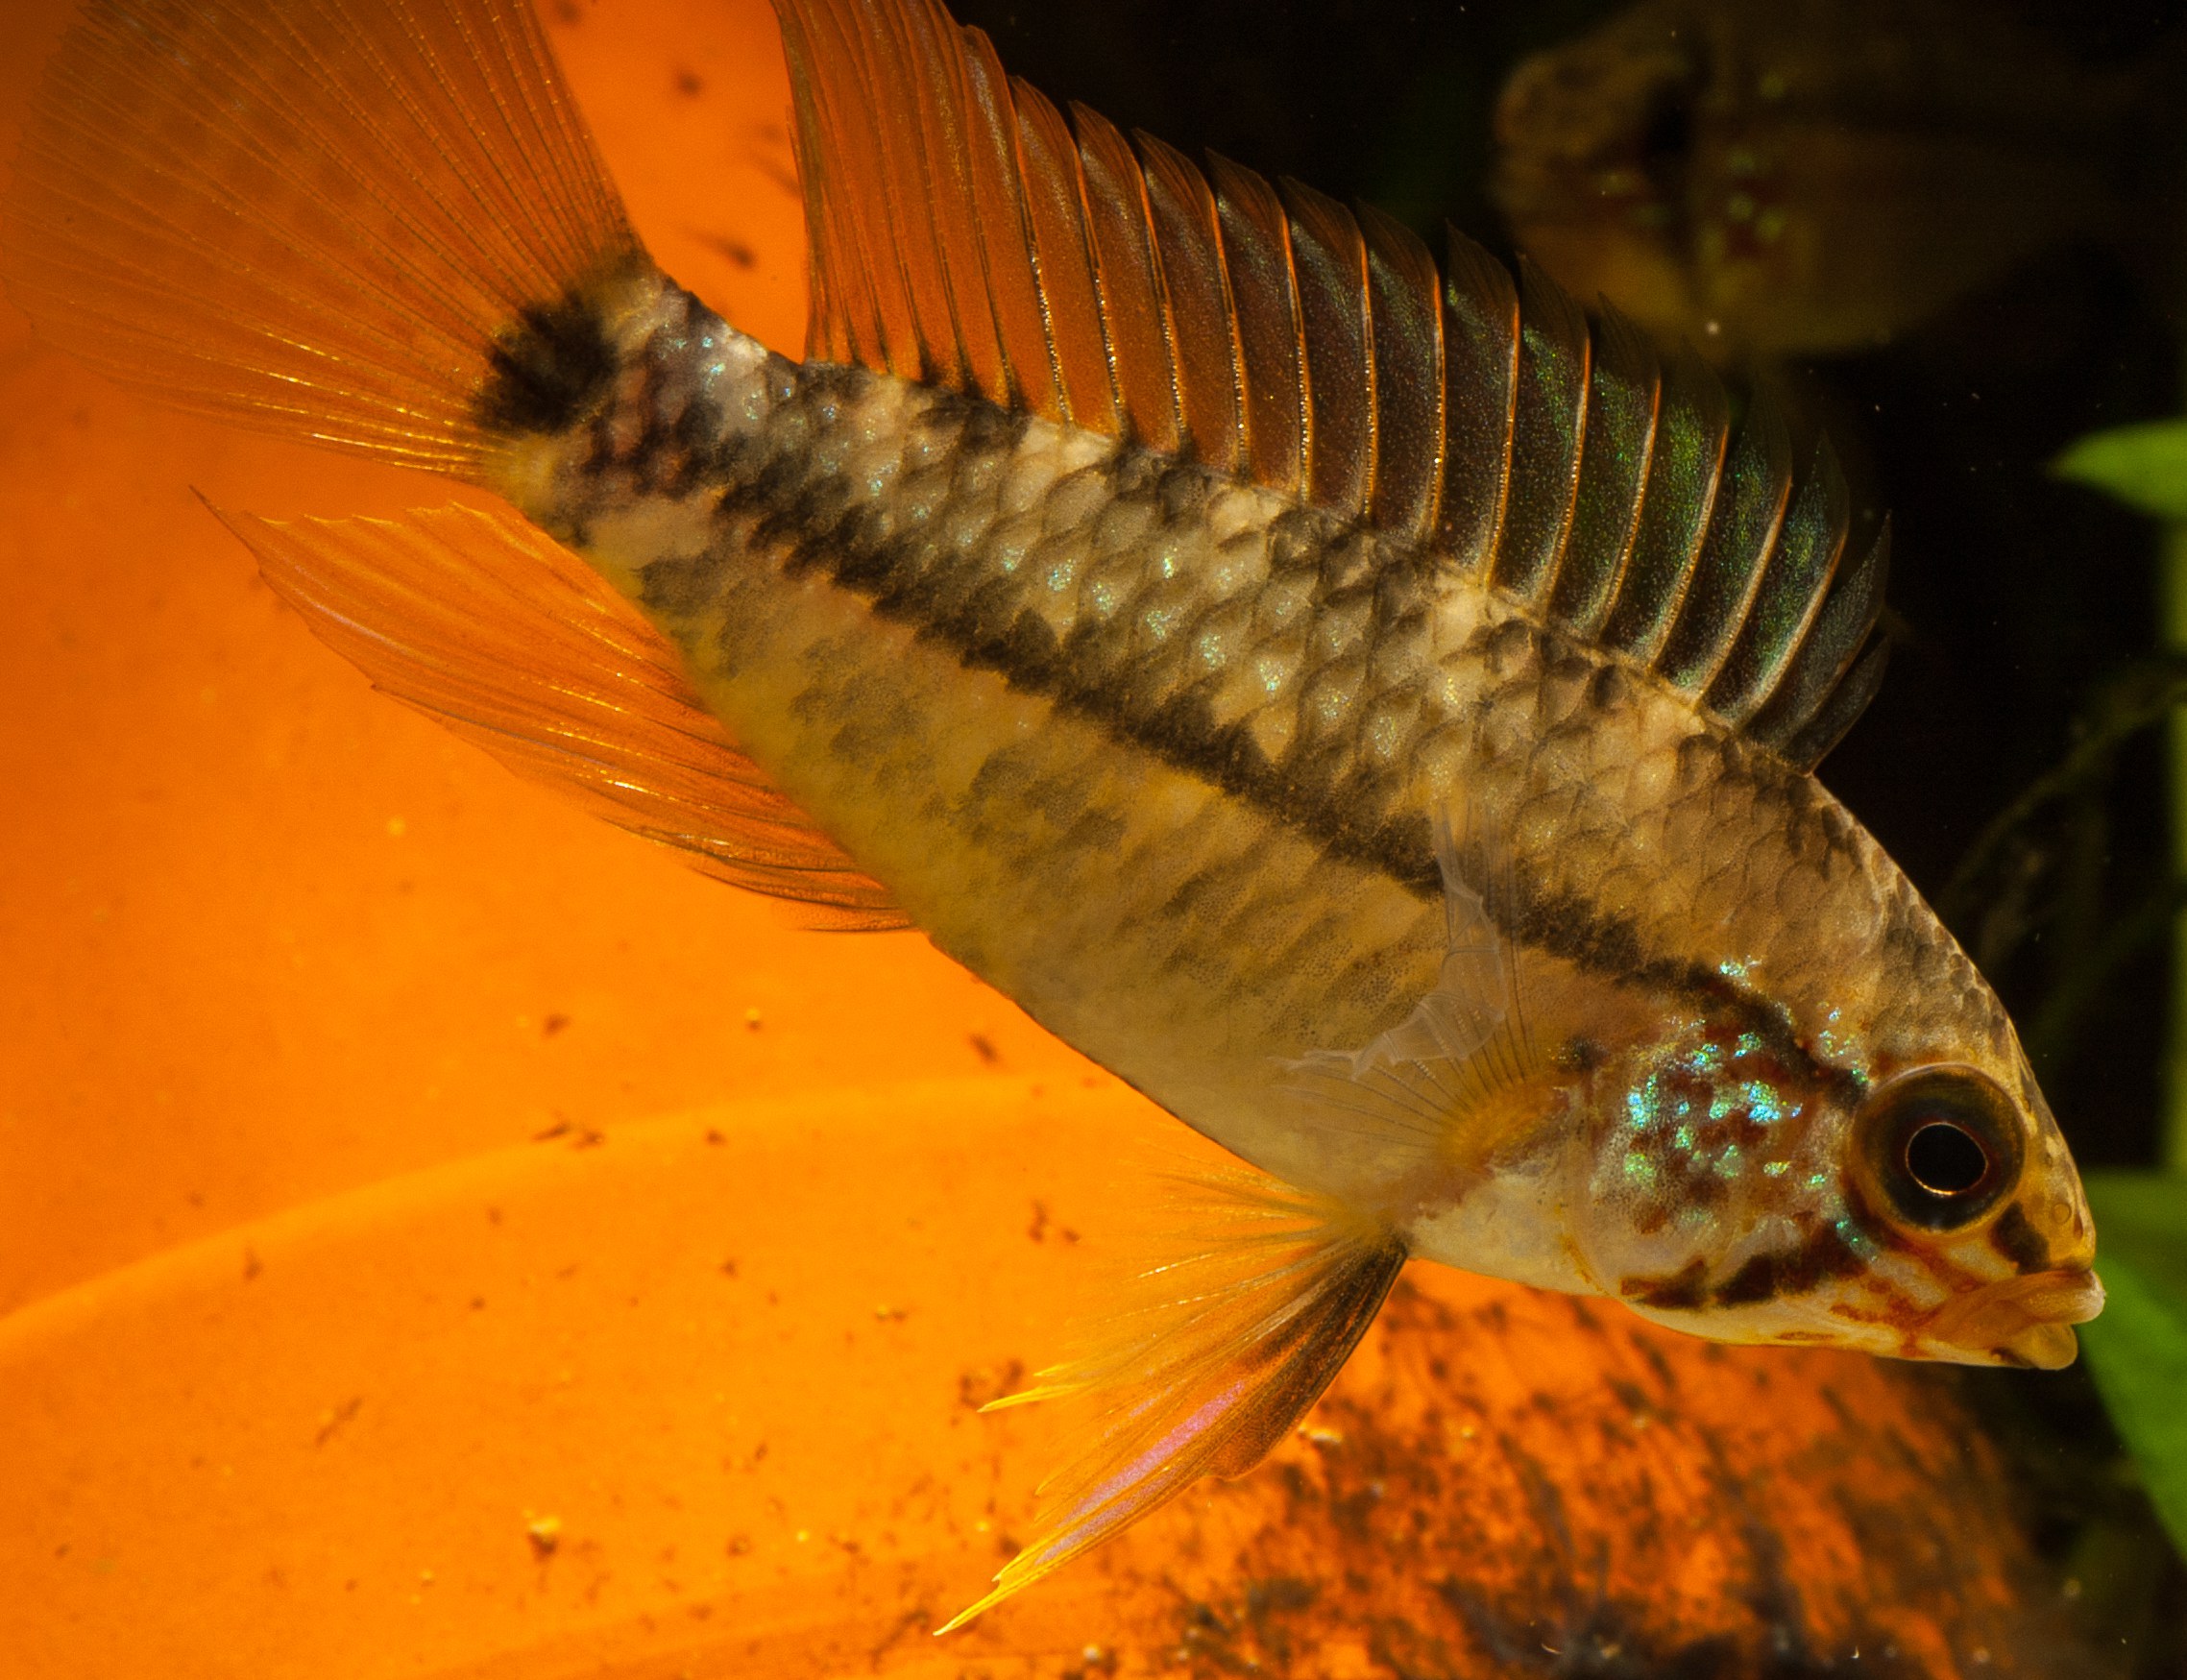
<point>2020,1321</point>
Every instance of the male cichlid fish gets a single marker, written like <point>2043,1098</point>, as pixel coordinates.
<point>1372,710</point>
<point>1818,176</point>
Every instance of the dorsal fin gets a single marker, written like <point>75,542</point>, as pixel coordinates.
<point>964,234</point>
<point>489,626</point>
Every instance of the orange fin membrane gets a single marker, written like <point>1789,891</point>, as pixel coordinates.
<point>964,234</point>
<point>1215,1364</point>
<point>492,628</point>
<point>321,219</point>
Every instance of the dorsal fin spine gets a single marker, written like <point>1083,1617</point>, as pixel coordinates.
<point>848,284</point>
<point>904,165</point>
<point>1405,314</point>
<point>1678,501</point>
<point>1331,263</point>
<point>1840,709</point>
<point>1809,549</point>
<point>1061,247</point>
<point>1728,571</point>
<point>1197,287</point>
<point>1827,661</point>
<point>895,297</point>
<point>1264,288</point>
<point>950,203</point>
<point>1021,315</point>
<point>1482,393</point>
<point>1614,475</point>
<point>1548,436</point>
<point>957,334</point>
<point>1127,279</point>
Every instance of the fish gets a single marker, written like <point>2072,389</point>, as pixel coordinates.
<point>1819,177</point>
<point>1370,707</point>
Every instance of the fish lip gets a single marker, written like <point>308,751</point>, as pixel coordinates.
<point>2050,1345</point>
<point>2023,1320</point>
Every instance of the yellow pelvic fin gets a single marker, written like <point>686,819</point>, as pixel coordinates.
<point>489,626</point>
<point>1223,1354</point>
<point>320,218</point>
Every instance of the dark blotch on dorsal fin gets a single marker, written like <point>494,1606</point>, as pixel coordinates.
<point>964,234</point>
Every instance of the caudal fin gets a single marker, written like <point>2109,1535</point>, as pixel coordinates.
<point>350,221</point>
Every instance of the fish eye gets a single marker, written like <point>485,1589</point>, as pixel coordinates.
<point>1941,1147</point>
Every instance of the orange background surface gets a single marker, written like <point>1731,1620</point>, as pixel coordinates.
<point>440,1236</point>
<point>268,935</point>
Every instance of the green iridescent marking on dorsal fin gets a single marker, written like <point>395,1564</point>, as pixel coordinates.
<point>966,235</point>
<point>1548,435</point>
<point>1624,394</point>
<point>1836,670</point>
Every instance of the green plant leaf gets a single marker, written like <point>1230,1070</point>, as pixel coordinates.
<point>2137,1350</point>
<point>2144,466</point>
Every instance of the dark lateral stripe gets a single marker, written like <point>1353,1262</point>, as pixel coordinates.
<point>822,523</point>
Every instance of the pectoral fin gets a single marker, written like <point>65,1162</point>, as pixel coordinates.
<point>1454,1081</point>
<point>1230,1346</point>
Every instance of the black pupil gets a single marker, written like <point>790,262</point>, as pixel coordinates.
<point>1945,1160</point>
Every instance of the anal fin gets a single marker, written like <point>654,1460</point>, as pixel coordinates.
<point>1212,1368</point>
<point>489,626</point>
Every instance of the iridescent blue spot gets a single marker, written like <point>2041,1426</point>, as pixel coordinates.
<point>1775,1169</point>
<point>1729,1163</point>
<point>1762,1103</point>
<point>1854,1237</point>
